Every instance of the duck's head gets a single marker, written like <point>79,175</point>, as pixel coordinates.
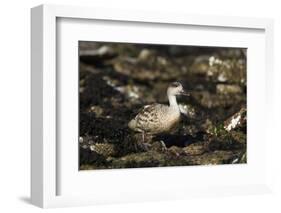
<point>176,88</point>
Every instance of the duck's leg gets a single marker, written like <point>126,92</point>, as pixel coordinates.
<point>145,145</point>
<point>143,136</point>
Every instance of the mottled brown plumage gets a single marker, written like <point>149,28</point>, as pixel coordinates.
<point>159,118</point>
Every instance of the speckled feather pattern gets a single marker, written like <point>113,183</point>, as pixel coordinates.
<point>155,119</point>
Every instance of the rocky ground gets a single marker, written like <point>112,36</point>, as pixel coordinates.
<point>116,80</point>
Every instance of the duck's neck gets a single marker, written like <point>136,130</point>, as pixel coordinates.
<point>173,101</point>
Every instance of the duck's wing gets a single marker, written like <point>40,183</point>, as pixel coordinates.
<point>149,118</point>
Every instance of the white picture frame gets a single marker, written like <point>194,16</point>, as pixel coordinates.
<point>44,150</point>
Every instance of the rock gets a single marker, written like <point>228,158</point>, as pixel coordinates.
<point>188,110</point>
<point>97,55</point>
<point>224,142</point>
<point>213,158</point>
<point>220,70</point>
<point>130,91</point>
<point>243,158</point>
<point>240,158</point>
<point>105,149</point>
<point>97,110</point>
<point>190,129</point>
<point>208,126</point>
<point>239,119</point>
<point>176,151</point>
<point>145,54</point>
<point>148,67</point>
<point>87,157</point>
<point>156,159</point>
<point>116,80</point>
<point>239,136</point>
<point>210,100</point>
<point>139,160</point>
<point>228,89</point>
<point>195,149</point>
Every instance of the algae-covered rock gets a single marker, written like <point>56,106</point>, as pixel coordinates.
<point>156,159</point>
<point>237,120</point>
<point>228,89</point>
<point>137,160</point>
<point>116,80</point>
<point>97,55</point>
<point>214,158</point>
<point>218,69</point>
<point>104,149</point>
<point>211,100</point>
<point>195,149</point>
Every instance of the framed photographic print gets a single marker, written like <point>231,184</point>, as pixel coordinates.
<point>130,106</point>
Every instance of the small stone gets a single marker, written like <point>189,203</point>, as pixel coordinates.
<point>90,142</point>
<point>97,110</point>
<point>144,54</point>
<point>222,77</point>
<point>162,61</point>
<point>131,92</point>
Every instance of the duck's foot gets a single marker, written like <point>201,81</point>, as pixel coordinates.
<point>158,146</point>
<point>146,146</point>
<point>140,146</point>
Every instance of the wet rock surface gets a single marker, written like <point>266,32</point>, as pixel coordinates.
<point>116,80</point>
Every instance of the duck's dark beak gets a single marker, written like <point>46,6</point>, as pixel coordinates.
<point>185,93</point>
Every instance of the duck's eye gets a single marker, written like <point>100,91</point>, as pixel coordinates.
<point>175,84</point>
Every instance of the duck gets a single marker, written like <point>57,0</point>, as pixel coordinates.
<point>159,118</point>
